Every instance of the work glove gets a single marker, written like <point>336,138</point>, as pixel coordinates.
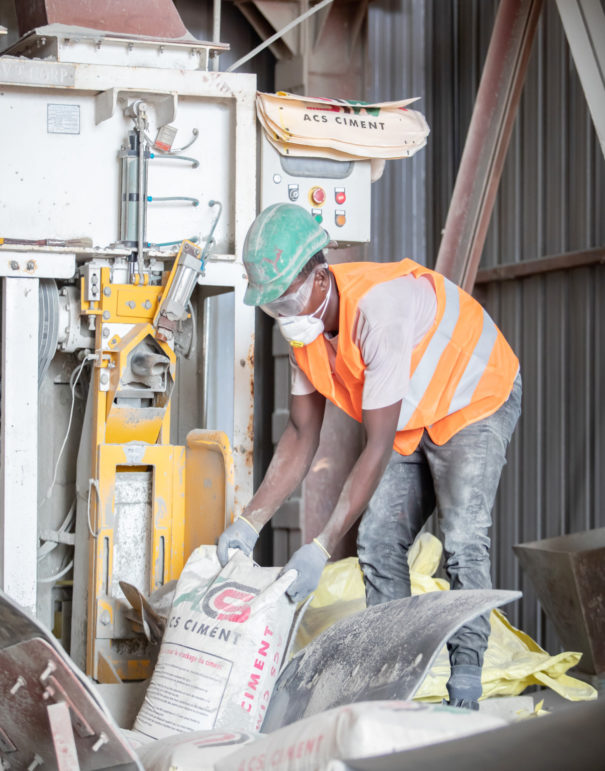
<point>308,561</point>
<point>240,535</point>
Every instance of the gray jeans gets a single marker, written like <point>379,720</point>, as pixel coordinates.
<point>460,478</point>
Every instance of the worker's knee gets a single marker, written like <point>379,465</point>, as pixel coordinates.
<point>467,564</point>
<point>385,573</point>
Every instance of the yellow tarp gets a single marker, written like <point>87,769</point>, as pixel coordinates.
<point>513,661</point>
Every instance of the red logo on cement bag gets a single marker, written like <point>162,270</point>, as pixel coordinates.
<point>229,602</point>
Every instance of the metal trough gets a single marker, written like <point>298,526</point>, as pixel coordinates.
<point>568,573</point>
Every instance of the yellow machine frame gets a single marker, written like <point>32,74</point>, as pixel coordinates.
<point>183,514</point>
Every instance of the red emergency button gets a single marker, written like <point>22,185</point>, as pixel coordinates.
<point>317,195</point>
<point>340,195</point>
<point>340,218</point>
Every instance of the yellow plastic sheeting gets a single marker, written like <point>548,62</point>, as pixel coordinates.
<point>513,661</point>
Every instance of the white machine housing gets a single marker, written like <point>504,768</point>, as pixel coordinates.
<point>63,124</point>
<point>346,206</point>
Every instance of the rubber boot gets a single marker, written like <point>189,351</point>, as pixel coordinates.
<point>464,686</point>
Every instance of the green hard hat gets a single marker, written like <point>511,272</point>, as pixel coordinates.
<point>281,240</point>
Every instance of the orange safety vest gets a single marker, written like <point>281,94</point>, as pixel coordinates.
<point>462,370</point>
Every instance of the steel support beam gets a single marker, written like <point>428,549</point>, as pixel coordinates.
<point>487,140</point>
<point>19,441</point>
<point>62,732</point>
<point>584,25</point>
<point>527,268</point>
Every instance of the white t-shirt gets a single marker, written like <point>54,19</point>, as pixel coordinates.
<point>392,318</point>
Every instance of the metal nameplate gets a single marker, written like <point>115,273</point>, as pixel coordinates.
<point>32,73</point>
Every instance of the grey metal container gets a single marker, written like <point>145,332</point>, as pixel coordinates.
<point>568,573</point>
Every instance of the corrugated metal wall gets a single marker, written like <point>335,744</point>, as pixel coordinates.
<point>551,200</point>
<point>396,47</point>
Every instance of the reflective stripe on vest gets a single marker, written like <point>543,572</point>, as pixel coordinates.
<point>472,375</point>
<point>425,371</point>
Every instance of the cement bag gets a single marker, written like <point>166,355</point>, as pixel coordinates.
<point>197,751</point>
<point>222,650</point>
<point>357,731</point>
<point>349,129</point>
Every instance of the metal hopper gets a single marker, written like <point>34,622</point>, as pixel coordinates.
<point>568,573</point>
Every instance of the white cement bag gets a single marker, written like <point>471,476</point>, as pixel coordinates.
<point>197,751</point>
<point>357,731</point>
<point>135,739</point>
<point>222,650</point>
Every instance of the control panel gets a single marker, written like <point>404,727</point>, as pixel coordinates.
<point>336,193</point>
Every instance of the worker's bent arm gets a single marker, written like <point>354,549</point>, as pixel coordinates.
<point>381,427</point>
<point>291,460</point>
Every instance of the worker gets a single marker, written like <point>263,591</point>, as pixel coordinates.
<point>437,388</point>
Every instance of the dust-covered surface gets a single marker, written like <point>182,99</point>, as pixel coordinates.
<point>132,537</point>
<point>36,673</point>
<point>330,740</point>
<point>222,648</point>
<point>380,653</point>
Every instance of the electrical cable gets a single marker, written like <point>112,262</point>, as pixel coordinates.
<point>57,576</point>
<point>194,135</point>
<point>73,381</point>
<point>193,239</point>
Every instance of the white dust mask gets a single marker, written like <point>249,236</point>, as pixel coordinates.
<point>302,330</point>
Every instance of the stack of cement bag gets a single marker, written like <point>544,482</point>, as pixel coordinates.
<point>340,129</point>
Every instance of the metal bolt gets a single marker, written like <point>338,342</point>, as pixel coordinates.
<point>104,378</point>
<point>147,304</point>
<point>106,314</point>
<point>19,684</point>
<point>131,303</point>
<point>105,332</point>
<point>107,291</point>
<point>31,265</point>
<point>37,761</point>
<point>63,292</point>
<point>48,693</point>
<point>14,265</point>
<point>114,340</point>
<point>100,742</point>
<point>50,668</point>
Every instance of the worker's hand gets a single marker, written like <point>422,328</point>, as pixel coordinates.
<point>308,561</point>
<point>240,535</point>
